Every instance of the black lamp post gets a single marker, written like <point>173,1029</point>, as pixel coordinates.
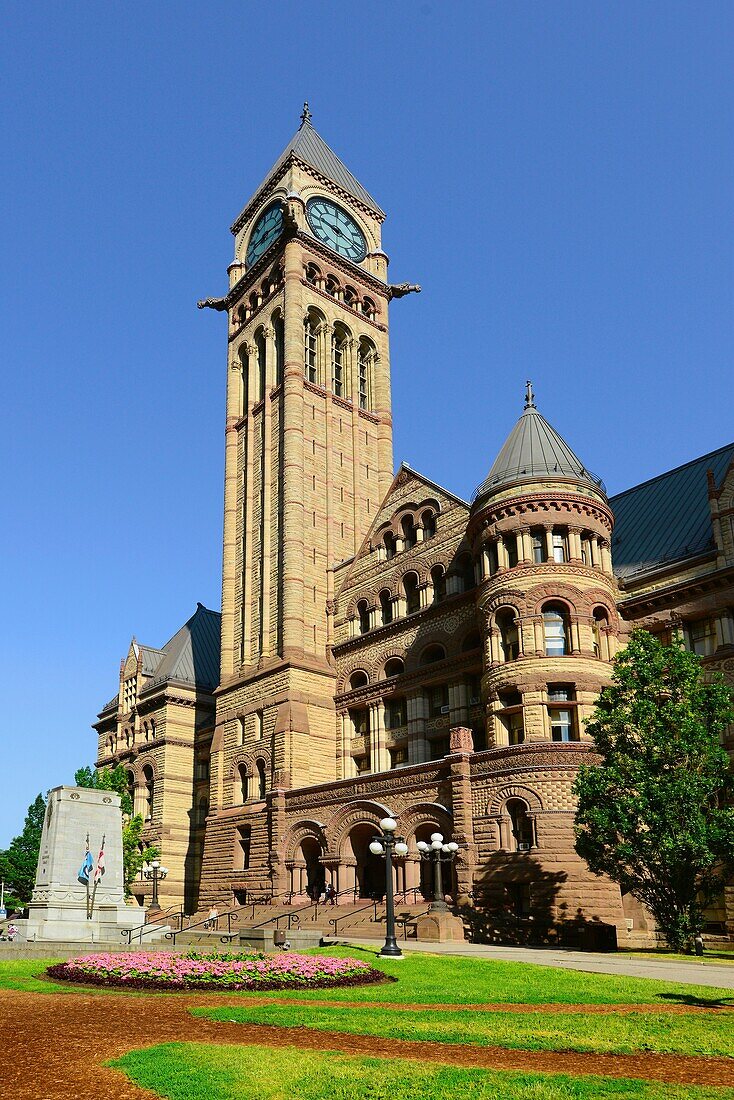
<point>153,872</point>
<point>385,846</point>
<point>438,852</point>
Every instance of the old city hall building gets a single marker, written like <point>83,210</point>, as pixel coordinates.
<point>385,646</point>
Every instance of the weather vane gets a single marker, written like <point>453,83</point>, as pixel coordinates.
<point>306,113</point>
<point>529,396</point>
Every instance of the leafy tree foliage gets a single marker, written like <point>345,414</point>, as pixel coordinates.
<point>656,814</point>
<point>115,779</point>
<point>18,862</point>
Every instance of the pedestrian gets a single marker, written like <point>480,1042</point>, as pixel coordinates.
<point>212,918</point>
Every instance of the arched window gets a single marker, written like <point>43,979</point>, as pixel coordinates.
<point>312,274</point>
<point>409,535</point>
<point>428,521</point>
<point>279,331</point>
<point>600,626</point>
<point>260,778</point>
<point>152,728</point>
<point>389,541</point>
<point>412,595</point>
<point>433,653</point>
<point>358,679</point>
<point>394,667</point>
<point>240,316</point>
<point>311,327</point>
<point>369,308</point>
<point>363,614</point>
<point>438,577</point>
<point>560,545</point>
<point>261,353</point>
<point>339,339</point>
<point>365,359</point>
<point>537,536</point>
<point>149,781</point>
<point>511,716</point>
<point>332,286</point>
<point>130,778</point>
<point>351,298</point>
<point>510,542</point>
<point>555,630</point>
<point>561,715</point>
<point>521,824</point>
<point>509,634</point>
<point>242,788</point>
<point>385,607</point>
<point>465,568</point>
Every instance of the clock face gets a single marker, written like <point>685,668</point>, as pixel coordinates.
<point>335,227</point>
<point>267,229</point>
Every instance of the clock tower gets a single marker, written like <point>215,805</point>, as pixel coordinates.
<point>308,459</point>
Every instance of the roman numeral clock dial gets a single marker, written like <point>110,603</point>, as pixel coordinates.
<point>337,229</point>
<point>266,230</point>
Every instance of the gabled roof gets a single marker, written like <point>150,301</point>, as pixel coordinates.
<point>308,146</point>
<point>668,518</point>
<point>192,654</point>
<point>534,449</point>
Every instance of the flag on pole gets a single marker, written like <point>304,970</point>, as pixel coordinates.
<point>100,868</point>
<point>86,869</point>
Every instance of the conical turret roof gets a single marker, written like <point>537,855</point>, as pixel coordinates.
<point>534,450</point>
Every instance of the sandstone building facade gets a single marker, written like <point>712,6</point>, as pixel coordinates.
<point>386,646</point>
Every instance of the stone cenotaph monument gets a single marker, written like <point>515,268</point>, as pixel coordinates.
<point>79,894</point>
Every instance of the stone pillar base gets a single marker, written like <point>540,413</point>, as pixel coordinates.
<point>440,928</point>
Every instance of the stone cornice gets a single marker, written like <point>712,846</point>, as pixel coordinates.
<point>673,594</point>
<point>533,505</point>
<point>270,186</point>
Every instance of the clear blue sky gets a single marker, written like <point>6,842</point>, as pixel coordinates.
<point>557,176</point>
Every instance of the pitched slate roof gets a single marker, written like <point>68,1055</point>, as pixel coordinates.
<point>192,654</point>
<point>311,148</point>
<point>534,449</point>
<point>668,518</point>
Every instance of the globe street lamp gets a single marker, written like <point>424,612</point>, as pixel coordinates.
<point>438,852</point>
<point>385,846</point>
<point>154,872</point>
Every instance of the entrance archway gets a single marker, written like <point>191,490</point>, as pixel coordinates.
<point>315,873</point>
<point>370,869</point>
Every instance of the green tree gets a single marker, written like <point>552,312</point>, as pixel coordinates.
<point>655,815</point>
<point>115,779</point>
<point>18,862</point>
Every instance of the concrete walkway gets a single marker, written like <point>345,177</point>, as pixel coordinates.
<point>666,970</point>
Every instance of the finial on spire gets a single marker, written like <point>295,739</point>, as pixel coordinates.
<point>305,114</point>
<point>529,396</point>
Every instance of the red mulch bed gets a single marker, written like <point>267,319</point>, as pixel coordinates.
<point>54,1046</point>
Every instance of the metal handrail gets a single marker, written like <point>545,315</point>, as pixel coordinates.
<point>230,914</point>
<point>405,921</point>
<point>372,905</point>
<point>414,890</point>
<point>153,926</point>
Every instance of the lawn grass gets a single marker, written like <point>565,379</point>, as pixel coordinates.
<point>453,979</point>
<point>190,1071</point>
<point>456,979</point>
<point>624,1034</point>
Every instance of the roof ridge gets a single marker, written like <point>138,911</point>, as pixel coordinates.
<point>674,470</point>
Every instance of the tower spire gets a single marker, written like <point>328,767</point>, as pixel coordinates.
<point>305,114</point>
<point>529,396</point>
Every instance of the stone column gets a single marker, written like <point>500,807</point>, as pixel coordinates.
<point>417,743</point>
<point>425,594</point>
<point>548,532</point>
<point>293,458</point>
<point>502,559</point>
<point>461,802</point>
<point>574,544</point>
<point>525,547</point>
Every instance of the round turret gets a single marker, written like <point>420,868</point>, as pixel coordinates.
<point>540,532</point>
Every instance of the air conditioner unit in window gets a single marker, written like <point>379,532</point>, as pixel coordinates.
<point>523,847</point>
<point>475,700</point>
<point>446,709</point>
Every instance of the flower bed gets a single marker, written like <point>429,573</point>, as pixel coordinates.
<point>254,970</point>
